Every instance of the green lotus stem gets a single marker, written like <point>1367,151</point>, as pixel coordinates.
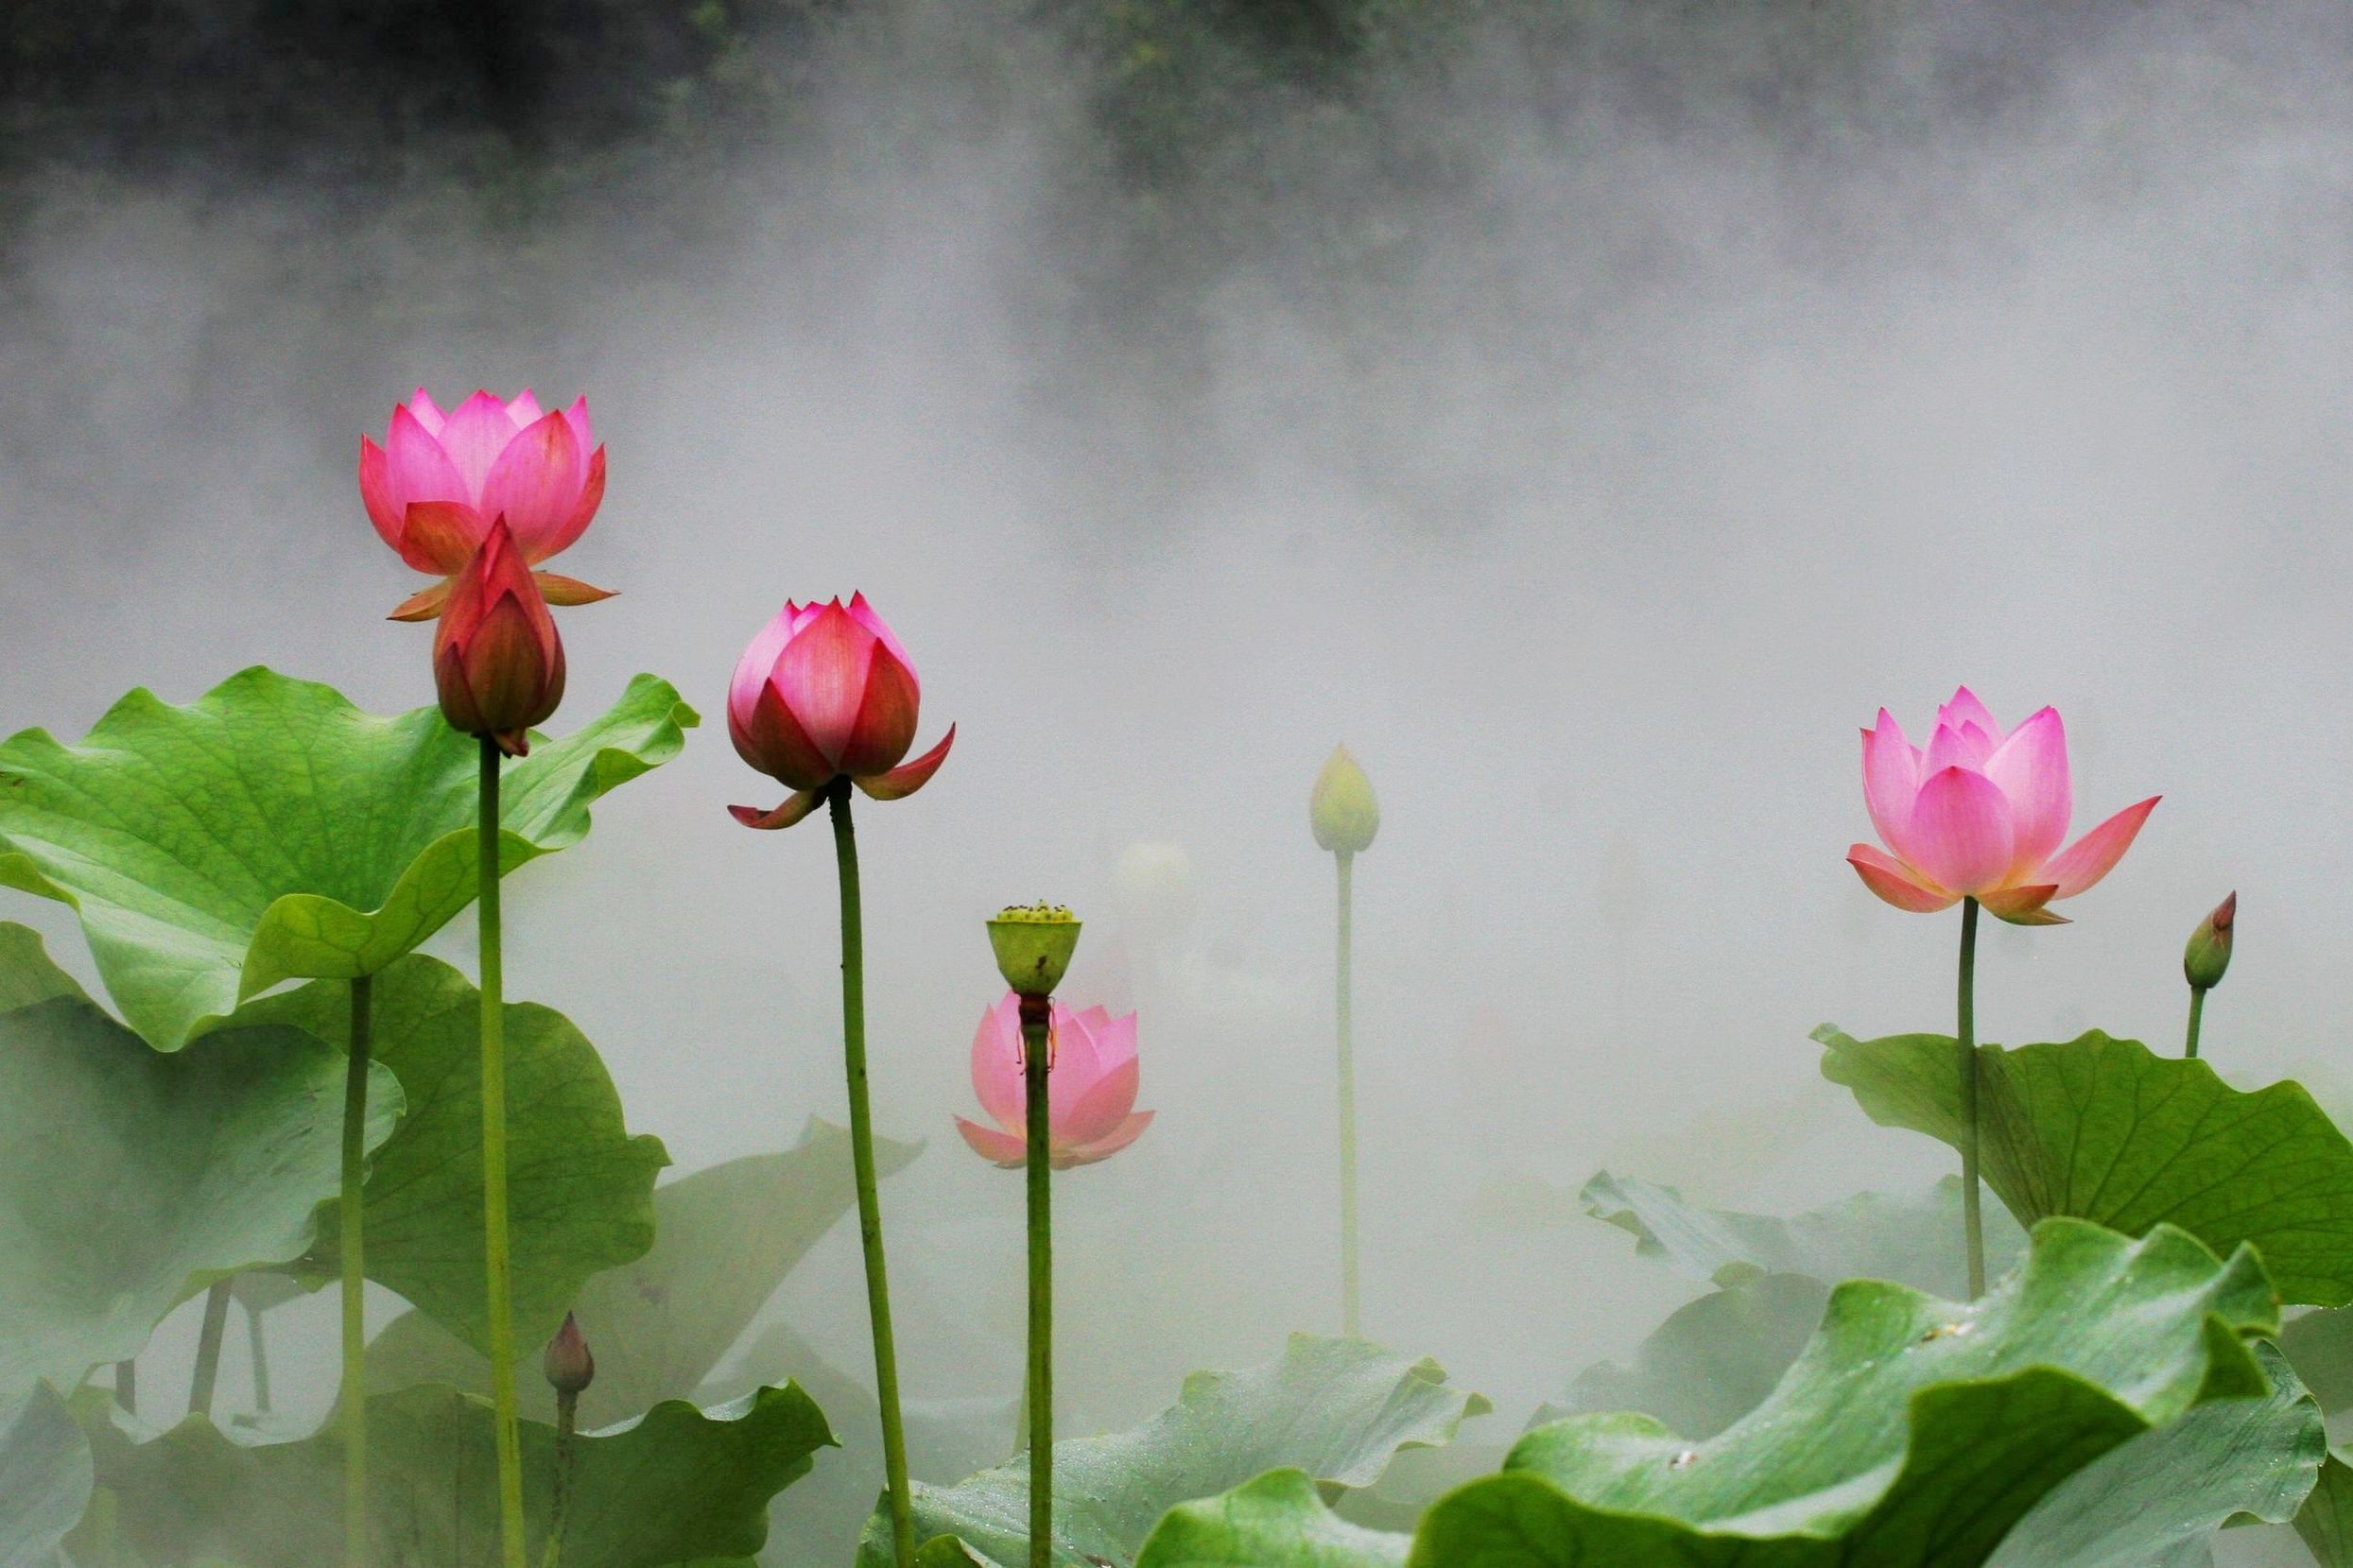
<point>127,1383</point>
<point>259,1351</point>
<point>354,1399</point>
<point>862,1163</point>
<point>208,1340</point>
<point>1972,1219</point>
<point>2197,1013</point>
<point>498,1271</point>
<point>1344,1012</point>
<point>567,1427</point>
<point>1036,1061</point>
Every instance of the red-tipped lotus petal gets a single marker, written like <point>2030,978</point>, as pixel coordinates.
<point>423,605</point>
<point>884,726</point>
<point>774,743</point>
<point>2024,906</point>
<point>557,588</point>
<point>497,662</point>
<point>905,780</point>
<point>535,484</point>
<point>1961,835</point>
<point>1895,882</point>
<point>820,675</point>
<point>795,807</point>
<point>2095,854</point>
<point>442,535</point>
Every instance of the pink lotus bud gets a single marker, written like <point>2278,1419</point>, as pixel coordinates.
<point>2207,957</point>
<point>569,1366</point>
<point>825,692</point>
<point>496,658</point>
<point>1090,1091</point>
<point>439,480</point>
<point>1981,814</point>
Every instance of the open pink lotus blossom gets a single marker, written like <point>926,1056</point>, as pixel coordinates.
<point>825,692</point>
<point>439,480</point>
<point>1981,814</point>
<point>1090,1090</point>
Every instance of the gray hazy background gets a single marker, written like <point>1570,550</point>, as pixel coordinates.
<point>1592,458</point>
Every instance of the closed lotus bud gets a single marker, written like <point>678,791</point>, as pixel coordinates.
<point>1033,944</point>
<point>569,1366</point>
<point>496,658</point>
<point>1341,810</point>
<point>2207,957</point>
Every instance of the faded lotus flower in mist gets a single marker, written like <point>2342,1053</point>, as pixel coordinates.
<point>439,480</point>
<point>825,692</point>
<point>497,662</point>
<point>1091,1090</point>
<point>1981,814</point>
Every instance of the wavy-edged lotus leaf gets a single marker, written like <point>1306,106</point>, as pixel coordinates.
<point>579,1188</point>
<point>1913,1432</point>
<point>1279,1517</point>
<point>28,973</point>
<point>1907,1239</point>
<point>1712,1362</point>
<point>271,830</point>
<point>724,1240</point>
<point>1334,1408</point>
<point>2106,1130</point>
<point>677,1486</point>
<point>2168,1491</point>
<point>129,1179</point>
<point>45,1478</point>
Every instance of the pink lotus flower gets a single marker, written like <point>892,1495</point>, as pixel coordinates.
<point>439,480</point>
<point>1981,814</point>
<point>1090,1090</point>
<point>825,692</point>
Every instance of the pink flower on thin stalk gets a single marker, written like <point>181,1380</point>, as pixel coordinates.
<point>1090,1091</point>
<point>1981,814</point>
<point>825,692</point>
<point>439,480</point>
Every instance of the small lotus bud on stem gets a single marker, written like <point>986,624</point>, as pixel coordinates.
<point>2207,957</point>
<point>1341,809</point>
<point>570,1369</point>
<point>569,1366</point>
<point>1033,944</point>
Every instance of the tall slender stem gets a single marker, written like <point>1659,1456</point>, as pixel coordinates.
<point>354,1399</point>
<point>2197,1013</point>
<point>1036,1060</point>
<point>862,1162</point>
<point>1972,1219</point>
<point>499,1277</point>
<point>1350,1296</point>
<point>208,1349</point>
<point>257,1349</point>
<point>567,1427</point>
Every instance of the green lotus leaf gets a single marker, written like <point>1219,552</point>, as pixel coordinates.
<point>724,1240</point>
<point>1279,1517</point>
<point>1913,1432</point>
<point>2321,1345</point>
<point>45,1479</point>
<point>28,973</point>
<point>1334,1408</point>
<point>2167,1492</point>
<point>1913,1240</point>
<point>2326,1520</point>
<point>676,1487</point>
<point>2107,1130</point>
<point>270,831</point>
<point>128,1178</point>
<point>579,1188</point>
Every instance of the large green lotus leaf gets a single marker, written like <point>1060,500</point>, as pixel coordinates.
<point>1712,1362</point>
<point>1277,1520</point>
<point>270,831</point>
<point>677,1486</point>
<point>2167,1492</point>
<point>1334,1408</point>
<point>28,973</point>
<point>580,1191</point>
<point>1913,1432</point>
<point>724,1240</point>
<point>2326,1520</point>
<point>129,1179</point>
<point>45,1479</point>
<point>2106,1130</point>
<point>1911,1240</point>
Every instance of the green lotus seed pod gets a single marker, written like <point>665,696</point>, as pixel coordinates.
<point>2207,955</point>
<point>1341,810</point>
<point>1033,944</point>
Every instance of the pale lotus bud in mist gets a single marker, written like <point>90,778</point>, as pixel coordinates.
<point>1091,1092</point>
<point>1981,814</point>
<point>439,480</point>
<point>825,692</point>
<point>1154,884</point>
<point>2207,957</point>
<point>1341,809</point>
<point>496,658</point>
<point>1033,943</point>
<point>567,1364</point>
